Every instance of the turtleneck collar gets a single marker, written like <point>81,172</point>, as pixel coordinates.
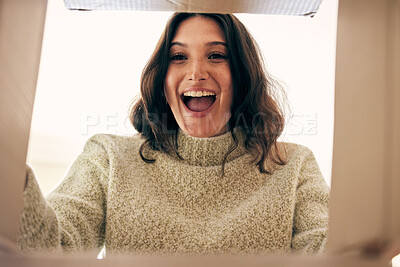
<point>209,151</point>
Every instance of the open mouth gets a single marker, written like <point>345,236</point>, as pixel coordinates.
<point>198,101</point>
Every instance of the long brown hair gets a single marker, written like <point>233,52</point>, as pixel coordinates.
<point>255,106</point>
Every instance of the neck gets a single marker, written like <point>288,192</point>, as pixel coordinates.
<point>209,151</point>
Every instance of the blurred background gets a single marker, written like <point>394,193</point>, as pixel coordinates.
<point>91,66</point>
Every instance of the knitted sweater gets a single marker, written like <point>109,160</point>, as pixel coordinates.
<point>111,197</point>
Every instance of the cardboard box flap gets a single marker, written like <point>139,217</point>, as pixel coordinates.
<point>365,199</point>
<point>274,7</point>
<point>21,35</point>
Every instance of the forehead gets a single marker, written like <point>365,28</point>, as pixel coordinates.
<point>199,29</point>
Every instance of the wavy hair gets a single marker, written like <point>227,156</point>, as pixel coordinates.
<point>255,107</point>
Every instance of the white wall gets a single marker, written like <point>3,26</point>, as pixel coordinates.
<point>91,66</point>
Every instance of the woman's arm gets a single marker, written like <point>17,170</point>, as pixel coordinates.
<point>72,218</point>
<point>311,212</point>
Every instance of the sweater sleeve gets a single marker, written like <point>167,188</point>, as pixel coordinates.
<point>72,217</point>
<point>311,211</point>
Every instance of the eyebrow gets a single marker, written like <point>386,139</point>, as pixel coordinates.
<point>207,44</point>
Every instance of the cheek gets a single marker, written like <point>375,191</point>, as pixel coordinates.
<point>227,105</point>
<point>169,86</point>
<point>225,78</point>
<point>226,84</point>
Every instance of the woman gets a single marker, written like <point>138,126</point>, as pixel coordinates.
<point>204,175</point>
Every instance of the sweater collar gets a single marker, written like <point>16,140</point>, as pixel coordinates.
<point>209,151</point>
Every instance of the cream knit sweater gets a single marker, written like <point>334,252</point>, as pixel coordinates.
<point>111,197</point>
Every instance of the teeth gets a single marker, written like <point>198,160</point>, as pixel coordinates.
<point>198,93</point>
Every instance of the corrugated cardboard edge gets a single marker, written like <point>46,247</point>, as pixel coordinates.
<point>193,261</point>
<point>276,7</point>
<point>21,35</point>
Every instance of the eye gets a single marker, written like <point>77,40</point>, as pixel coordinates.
<point>178,57</point>
<point>217,55</point>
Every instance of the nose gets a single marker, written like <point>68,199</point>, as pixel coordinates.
<point>198,71</point>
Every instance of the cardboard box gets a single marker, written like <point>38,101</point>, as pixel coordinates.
<point>21,34</point>
<point>365,197</point>
<point>276,7</point>
<point>365,203</point>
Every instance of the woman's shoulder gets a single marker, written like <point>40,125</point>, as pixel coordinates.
<point>294,155</point>
<point>297,156</point>
<point>113,143</point>
<point>104,137</point>
<point>293,150</point>
<point>301,160</point>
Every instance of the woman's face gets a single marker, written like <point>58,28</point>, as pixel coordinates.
<point>198,84</point>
